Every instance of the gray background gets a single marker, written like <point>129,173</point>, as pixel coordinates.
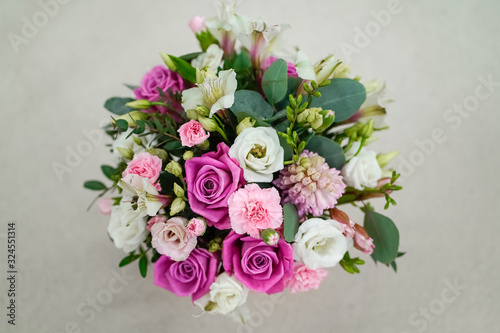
<point>431,54</point>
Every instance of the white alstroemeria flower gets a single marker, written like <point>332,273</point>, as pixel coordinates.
<point>259,153</point>
<point>375,103</point>
<point>227,296</point>
<point>215,92</point>
<point>228,21</point>
<point>320,72</point>
<point>139,192</point>
<point>361,170</point>
<point>126,229</point>
<point>212,59</point>
<point>319,243</point>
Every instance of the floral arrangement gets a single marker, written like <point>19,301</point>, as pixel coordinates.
<point>231,164</point>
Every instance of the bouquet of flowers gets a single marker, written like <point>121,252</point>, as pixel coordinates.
<point>232,164</point>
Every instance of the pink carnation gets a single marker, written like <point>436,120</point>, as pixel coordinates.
<point>196,227</point>
<point>310,184</point>
<point>252,209</point>
<point>105,205</point>
<point>304,278</point>
<point>192,133</point>
<point>146,166</point>
<point>156,219</point>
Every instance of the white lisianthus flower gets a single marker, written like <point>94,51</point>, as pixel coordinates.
<point>319,243</point>
<point>126,228</point>
<point>125,141</point>
<point>143,197</point>
<point>259,153</point>
<point>320,72</point>
<point>212,59</point>
<point>227,296</point>
<point>361,170</point>
<point>216,92</point>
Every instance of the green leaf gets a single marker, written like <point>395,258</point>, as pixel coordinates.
<point>275,81</point>
<point>127,260</point>
<point>252,103</point>
<point>241,61</point>
<point>286,148</point>
<point>344,96</point>
<point>108,171</point>
<point>117,105</point>
<point>329,149</point>
<point>291,222</point>
<point>385,236</point>
<point>94,185</point>
<point>143,265</point>
<point>131,86</point>
<point>184,69</point>
<point>190,56</point>
<point>122,124</point>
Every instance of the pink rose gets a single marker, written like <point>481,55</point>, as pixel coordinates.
<point>169,82</point>
<point>304,278</point>
<point>196,227</point>
<point>146,166</point>
<point>291,71</point>
<point>105,205</point>
<point>211,179</point>
<point>260,267</point>
<point>156,219</point>
<point>191,277</point>
<point>192,133</point>
<point>197,24</point>
<point>252,209</point>
<point>172,239</point>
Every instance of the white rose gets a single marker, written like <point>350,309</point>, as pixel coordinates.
<point>363,169</point>
<point>226,295</point>
<point>319,243</point>
<point>212,58</point>
<point>126,228</point>
<point>259,153</point>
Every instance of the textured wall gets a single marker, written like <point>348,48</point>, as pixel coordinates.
<point>433,55</point>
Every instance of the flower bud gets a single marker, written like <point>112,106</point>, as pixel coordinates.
<point>139,104</point>
<point>177,206</point>
<point>197,24</point>
<point>384,159</point>
<point>208,124</point>
<point>192,114</point>
<point>342,71</point>
<point>188,154</point>
<point>203,146</point>
<point>202,110</point>
<point>215,245</point>
<point>247,122</point>
<point>270,236</point>
<point>170,64</point>
<point>132,117</point>
<point>137,141</point>
<point>327,121</point>
<point>174,168</point>
<point>126,153</point>
<point>162,154</point>
<point>179,191</point>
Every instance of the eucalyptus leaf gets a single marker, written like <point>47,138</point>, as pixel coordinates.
<point>329,149</point>
<point>343,96</point>
<point>117,105</point>
<point>122,124</point>
<point>275,81</point>
<point>252,103</point>
<point>291,221</point>
<point>385,236</point>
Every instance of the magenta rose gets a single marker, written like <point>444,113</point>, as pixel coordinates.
<point>260,267</point>
<point>291,71</point>
<point>191,277</point>
<point>211,179</point>
<point>165,79</point>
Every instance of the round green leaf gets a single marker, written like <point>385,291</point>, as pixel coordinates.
<point>117,105</point>
<point>385,236</point>
<point>329,149</point>
<point>251,102</point>
<point>275,81</point>
<point>344,96</point>
<point>291,221</point>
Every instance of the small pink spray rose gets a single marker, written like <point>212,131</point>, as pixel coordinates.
<point>196,227</point>
<point>192,133</point>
